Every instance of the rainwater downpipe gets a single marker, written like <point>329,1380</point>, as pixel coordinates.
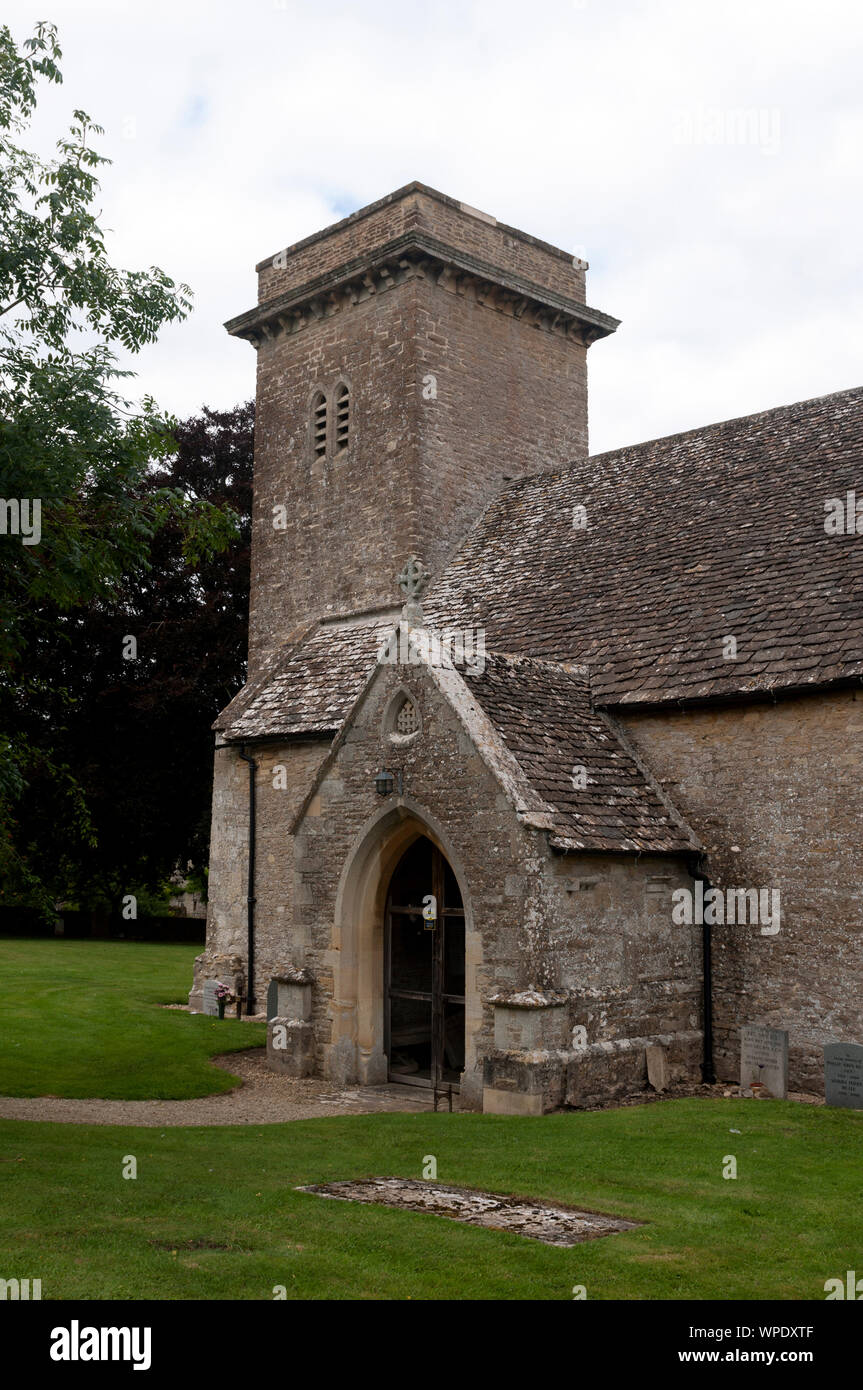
<point>708,1072</point>
<point>250,888</point>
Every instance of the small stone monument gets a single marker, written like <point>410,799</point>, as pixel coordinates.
<point>210,1002</point>
<point>657,1067</point>
<point>290,1033</point>
<point>764,1061</point>
<point>843,1075</point>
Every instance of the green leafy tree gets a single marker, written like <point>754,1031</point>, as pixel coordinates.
<point>73,450</point>
<point>140,681</point>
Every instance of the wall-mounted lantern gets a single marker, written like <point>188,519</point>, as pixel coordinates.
<point>384,782</point>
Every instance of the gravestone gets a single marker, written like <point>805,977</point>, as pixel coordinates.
<point>272,999</point>
<point>843,1075</point>
<point>657,1067</point>
<point>764,1059</point>
<point>211,1003</point>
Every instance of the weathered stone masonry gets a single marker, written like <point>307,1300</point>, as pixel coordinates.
<point>460,346</point>
<point>774,793</point>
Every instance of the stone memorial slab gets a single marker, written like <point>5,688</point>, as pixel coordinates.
<point>764,1059</point>
<point>657,1067</point>
<point>843,1075</point>
<point>535,1220</point>
<point>210,1002</point>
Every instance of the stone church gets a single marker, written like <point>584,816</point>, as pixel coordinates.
<point>545,758</point>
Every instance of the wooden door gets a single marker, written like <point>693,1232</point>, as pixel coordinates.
<point>425,972</point>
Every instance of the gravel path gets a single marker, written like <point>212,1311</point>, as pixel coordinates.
<point>262,1098</point>
<point>266,1098</point>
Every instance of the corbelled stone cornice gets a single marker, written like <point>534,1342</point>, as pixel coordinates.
<point>411,255</point>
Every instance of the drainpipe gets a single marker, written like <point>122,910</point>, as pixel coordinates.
<point>250,890</point>
<point>708,1073</point>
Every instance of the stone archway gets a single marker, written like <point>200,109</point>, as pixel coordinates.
<point>357,1050</point>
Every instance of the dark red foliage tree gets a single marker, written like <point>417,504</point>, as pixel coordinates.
<point>124,695</point>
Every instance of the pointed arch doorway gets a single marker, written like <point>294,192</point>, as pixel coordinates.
<point>424,970</point>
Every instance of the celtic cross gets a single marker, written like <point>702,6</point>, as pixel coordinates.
<point>413,578</point>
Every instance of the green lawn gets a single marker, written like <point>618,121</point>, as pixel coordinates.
<point>82,1018</point>
<point>213,1213</point>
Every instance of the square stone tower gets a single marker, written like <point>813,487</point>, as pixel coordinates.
<point>412,359</point>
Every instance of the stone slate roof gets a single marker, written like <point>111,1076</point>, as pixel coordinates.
<point>543,714</point>
<point>540,710</point>
<point>311,685</point>
<point>690,539</point>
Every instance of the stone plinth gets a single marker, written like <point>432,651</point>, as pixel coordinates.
<point>291,1046</point>
<point>525,1074</point>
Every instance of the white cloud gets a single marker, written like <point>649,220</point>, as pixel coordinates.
<point>732,260</point>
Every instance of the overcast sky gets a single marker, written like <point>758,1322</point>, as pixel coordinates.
<point>704,158</point>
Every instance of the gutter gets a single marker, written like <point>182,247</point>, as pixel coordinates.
<point>250,888</point>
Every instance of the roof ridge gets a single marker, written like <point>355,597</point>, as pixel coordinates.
<point>774,410</point>
<point>541,474</point>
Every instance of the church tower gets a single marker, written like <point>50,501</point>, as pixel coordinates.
<point>412,359</point>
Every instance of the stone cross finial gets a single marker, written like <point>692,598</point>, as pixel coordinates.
<point>413,578</point>
<point>412,581</point>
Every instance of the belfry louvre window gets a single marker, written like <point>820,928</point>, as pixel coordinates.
<point>343,417</point>
<point>319,426</point>
<point>407,719</point>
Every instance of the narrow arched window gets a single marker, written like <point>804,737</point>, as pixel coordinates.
<point>319,426</point>
<point>343,417</point>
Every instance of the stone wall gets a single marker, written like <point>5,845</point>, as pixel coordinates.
<point>773,791</point>
<point>625,978</point>
<point>349,518</point>
<point>282,776</point>
<point>628,970</point>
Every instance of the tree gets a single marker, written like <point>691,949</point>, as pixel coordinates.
<point>142,680</point>
<point>73,450</point>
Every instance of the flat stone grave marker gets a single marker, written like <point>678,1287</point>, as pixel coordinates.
<point>843,1075</point>
<point>764,1059</point>
<point>211,1003</point>
<point>537,1220</point>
